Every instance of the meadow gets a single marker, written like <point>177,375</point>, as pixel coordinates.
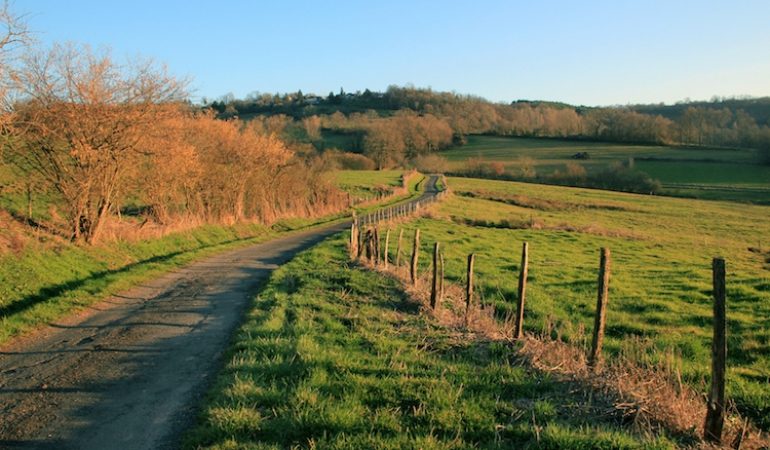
<point>335,356</point>
<point>366,183</point>
<point>660,292</point>
<point>662,250</point>
<point>727,174</point>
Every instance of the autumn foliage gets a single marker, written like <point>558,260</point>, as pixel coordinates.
<point>98,135</point>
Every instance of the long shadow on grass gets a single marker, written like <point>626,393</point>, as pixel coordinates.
<point>48,292</point>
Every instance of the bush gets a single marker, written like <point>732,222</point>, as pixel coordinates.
<point>431,163</point>
<point>617,177</point>
<point>352,161</point>
<point>620,178</point>
<point>477,167</point>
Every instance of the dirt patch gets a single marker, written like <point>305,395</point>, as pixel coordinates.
<point>764,254</point>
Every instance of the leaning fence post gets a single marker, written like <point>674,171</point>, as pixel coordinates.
<point>415,256</point>
<point>441,276</point>
<point>386,250</point>
<point>469,289</point>
<point>434,288</point>
<point>601,308</point>
<point>398,248</point>
<point>715,409</point>
<point>519,329</point>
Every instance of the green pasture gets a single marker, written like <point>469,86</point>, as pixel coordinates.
<point>721,174</point>
<point>660,292</point>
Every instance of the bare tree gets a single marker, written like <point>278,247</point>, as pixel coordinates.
<point>14,36</point>
<point>84,122</point>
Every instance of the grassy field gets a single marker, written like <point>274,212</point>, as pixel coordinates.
<point>332,356</point>
<point>703,173</point>
<point>364,183</point>
<point>661,280</point>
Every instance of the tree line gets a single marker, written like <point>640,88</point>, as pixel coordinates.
<point>701,124</point>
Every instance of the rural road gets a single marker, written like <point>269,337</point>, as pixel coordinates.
<point>131,371</point>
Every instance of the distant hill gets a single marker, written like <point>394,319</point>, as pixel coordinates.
<point>757,108</point>
<point>719,123</point>
<point>300,105</point>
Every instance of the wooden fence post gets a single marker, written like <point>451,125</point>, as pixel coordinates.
<point>469,289</point>
<point>434,287</point>
<point>387,249</point>
<point>398,248</point>
<point>415,257</point>
<point>601,308</point>
<point>353,240</point>
<point>441,276</point>
<point>369,245</point>
<point>518,331</point>
<point>715,409</point>
<point>376,239</point>
<point>361,241</point>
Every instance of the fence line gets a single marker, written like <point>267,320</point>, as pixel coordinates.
<point>715,417</point>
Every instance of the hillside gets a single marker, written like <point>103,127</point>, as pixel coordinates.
<point>757,108</point>
<point>299,105</point>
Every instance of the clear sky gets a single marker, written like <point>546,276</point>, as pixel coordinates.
<point>580,52</point>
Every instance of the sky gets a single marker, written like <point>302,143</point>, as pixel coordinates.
<point>579,52</point>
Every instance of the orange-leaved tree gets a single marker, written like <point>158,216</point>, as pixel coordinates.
<point>84,124</point>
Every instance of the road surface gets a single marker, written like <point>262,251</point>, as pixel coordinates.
<point>130,372</point>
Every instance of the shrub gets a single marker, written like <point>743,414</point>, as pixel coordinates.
<point>352,161</point>
<point>477,167</point>
<point>431,163</point>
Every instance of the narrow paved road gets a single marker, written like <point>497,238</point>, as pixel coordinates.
<point>130,372</point>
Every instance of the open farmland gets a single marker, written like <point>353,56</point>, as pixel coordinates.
<point>660,293</point>
<point>363,183</point>
<point>693,172</point>
<point>343,358</point>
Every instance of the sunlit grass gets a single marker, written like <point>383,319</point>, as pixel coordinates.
<point>364,183</point>
<point>333,356</point>
<point>661,279</point>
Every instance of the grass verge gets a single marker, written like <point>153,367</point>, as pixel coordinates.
<point>45,281</point>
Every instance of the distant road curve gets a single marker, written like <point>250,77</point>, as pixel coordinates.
<point>130,372</point>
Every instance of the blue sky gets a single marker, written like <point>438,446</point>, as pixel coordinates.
<point>580,52</point>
